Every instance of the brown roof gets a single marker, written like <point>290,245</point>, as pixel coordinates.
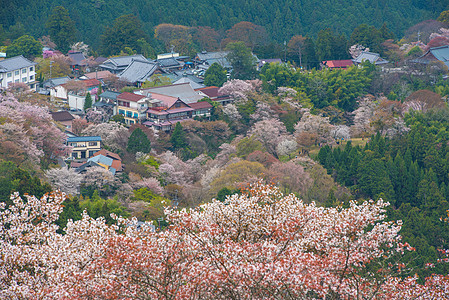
<point>98,75</point>
<point>91,82</point>
<point>60,116</point>
<point>200,105</point>
<point>210,91</point>
<point>129,97</point>
<point>338,63</point>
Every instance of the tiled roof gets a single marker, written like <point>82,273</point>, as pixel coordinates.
<point>210,91</point>
<point>373,58</point>
<point>101,159</point>
<point>84,139</point>
<point>338,63</point>
<point>138,71</point>
<point>60,116</point>
<point>121,61</point>
<point>130,97</point>
<point>200,105</point>
<point>91,82</point>
<point>169,62</point>
<point>109,95</point>
<point>14,63</point>
<point>192,83</point>
<point>56,81</point>
<point>77,58</point>
<point>182,91</point>
<point>98,75</point>
<point>108,153</point>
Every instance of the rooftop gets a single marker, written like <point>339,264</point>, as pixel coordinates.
<point>60,116</point>
<point>84,139</point>
<point>182,91</point>
<point>130,97</point>
<point>77,58</point>
<point>14,63</point>
<point>138,71</point>
<point>200,105</point>
<point>98,75</point>
<point>121,61</point>
<point>109,95</point>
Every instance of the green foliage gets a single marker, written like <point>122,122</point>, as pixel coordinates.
<point>242,61</point>
<point>178,137</point>
<point>215,75</point>
<point>138,142</point>
<point>14,179</point>
<point>444,17</point>
<point>410,171</point>
<point>415,51</point>
<point>156,80</point>
<point>151,161</point>
<point>368,36</point>
<point>88,101</point>
<point>118,118</point>
<point>248,145</point>
<point>330,46</point>
<point>225,192</point>
<point>25,45</point>
<point>275,75</point>
<point>125,32</point>
<point>61,28</point>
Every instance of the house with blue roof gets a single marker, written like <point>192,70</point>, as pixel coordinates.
<point>84,147</point>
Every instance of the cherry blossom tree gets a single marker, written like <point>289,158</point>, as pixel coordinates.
<point>356,50</point>
<point>66,180</point>
<point>269,132</point>
<point>317,126</point>
<point>238,89</point>
<point>260,244</point>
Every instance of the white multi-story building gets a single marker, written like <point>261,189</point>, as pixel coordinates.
<point>17,69</point>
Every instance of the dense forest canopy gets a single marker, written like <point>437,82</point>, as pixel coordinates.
<point>281,18</point>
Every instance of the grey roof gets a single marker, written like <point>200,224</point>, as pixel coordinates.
<point>215,57</point>
<point>121,62</point>
<point>186,79</point>
<point>84,139</point>
<point>102,104</point>
<point>109,95</point>
<point>182,91</point>
<point>169,62</point>
<point>83,167</point>
<point>440,53</point>
<point>55,81</point>
<point>15,63</point>
<point>373,58</point>
<point>138,71</point>
<point>78,58</point>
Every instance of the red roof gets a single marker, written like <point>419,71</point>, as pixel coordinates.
<point>91,82</point>
<point>338,63</point>
<point>130,97</point>
<point>200,105</point>
<point>116,160</point>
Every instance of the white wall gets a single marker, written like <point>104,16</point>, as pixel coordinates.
<point>76,102</point>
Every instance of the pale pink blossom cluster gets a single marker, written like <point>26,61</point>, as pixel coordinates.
<point>260,244</point>
<point>238,89</point>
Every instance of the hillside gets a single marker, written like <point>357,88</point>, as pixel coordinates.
<point>281,18</point>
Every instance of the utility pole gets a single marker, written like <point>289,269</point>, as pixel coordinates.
<point>51,63</point>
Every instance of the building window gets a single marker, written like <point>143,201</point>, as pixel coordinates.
<point>129,114</point>
<point>24,79</point>
<point>73,144</point>
<point>31,77</point>
<point>17,80</point>
<point>31,69</point>
<point>75,155</point>
<point>24,71</point>
<point>131,122</point>
<point>9,75</point>
<point>91,153</point>
<point>16,73</point>
<point>136,116</point>
<point>32,86</point>
<point>121,111</point>
<point>92,143</point>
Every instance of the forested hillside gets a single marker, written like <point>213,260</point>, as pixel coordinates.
<point>281,18</point>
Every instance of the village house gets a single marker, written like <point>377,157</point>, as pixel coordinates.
<point>336,64</point>
<point>104,159</point>
<point>63,117</point>
<point>211,92</point>
<point>17,69</point>
<point>84,147</point>
<point>115,65</point>
<point>436,54</point>
<point>373,58</point>
<point>130,106</point>
<point>139,71</point>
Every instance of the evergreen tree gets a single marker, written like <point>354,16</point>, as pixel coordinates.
<point>178,138</point>
<point>138,142</point>
<point>125,32</point>
<point>87,101</point>
<point>242,60</point>
<point>215,75</point>
<point>25,45</point>
<point>61,28</point>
